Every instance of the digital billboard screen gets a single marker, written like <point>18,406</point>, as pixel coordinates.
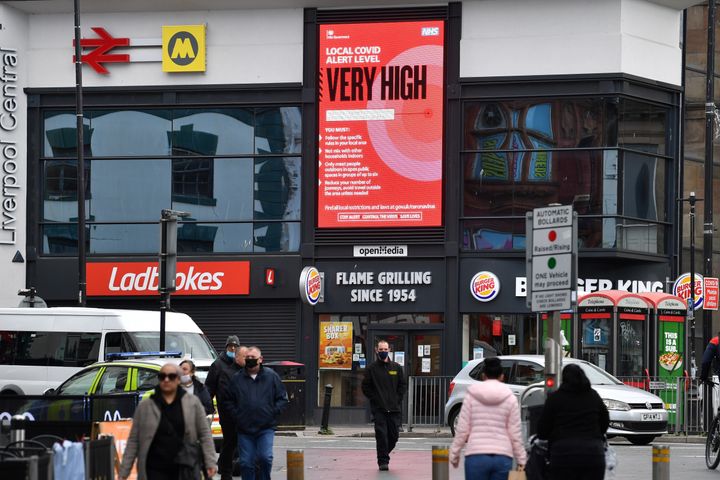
<point>381,94</point>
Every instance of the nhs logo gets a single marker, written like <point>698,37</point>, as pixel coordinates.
<point>430,31</point>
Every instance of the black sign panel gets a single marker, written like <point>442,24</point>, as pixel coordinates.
<point>383,286</point>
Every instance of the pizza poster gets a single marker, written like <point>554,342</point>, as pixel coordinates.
<point>336,346</point>
<point>380,146</point>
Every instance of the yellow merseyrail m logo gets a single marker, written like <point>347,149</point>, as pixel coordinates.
<point>183,48</point>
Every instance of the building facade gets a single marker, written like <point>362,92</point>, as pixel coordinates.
<point>395,149</point>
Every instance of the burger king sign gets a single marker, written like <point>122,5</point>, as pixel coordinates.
<point>484,286</point>
<point>310,285</point>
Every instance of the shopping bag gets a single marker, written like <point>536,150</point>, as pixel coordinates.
<point>517,475</point>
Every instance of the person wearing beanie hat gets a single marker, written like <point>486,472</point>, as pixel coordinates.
<point>217,383</point>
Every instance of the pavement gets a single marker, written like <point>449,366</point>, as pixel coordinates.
<point>366,431</point>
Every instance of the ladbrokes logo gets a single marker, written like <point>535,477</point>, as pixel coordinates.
<point>183,48</point>
<point>193,278</point>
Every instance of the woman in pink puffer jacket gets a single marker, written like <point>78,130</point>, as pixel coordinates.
<point>489,423</point>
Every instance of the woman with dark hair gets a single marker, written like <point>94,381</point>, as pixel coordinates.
<point>192,385</point>
<point>574,421</point>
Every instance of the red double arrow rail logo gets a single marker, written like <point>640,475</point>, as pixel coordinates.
<point>99,55</point>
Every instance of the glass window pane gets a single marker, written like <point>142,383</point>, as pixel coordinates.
<point>78,384</point>
<point>494,234</point>
<point>60,134</point>
<point>129,190</point>
<point>643,126</point>
<point>62,238</point>
<point>644,186</point>
<point>227,131</point>
<point>60,189</point>
<point>277,188</point>
<point>146,379</point>
<point>631,348</point>
<point>124,238</point>
<point>214,189</point>
<point>278,130</point>
<point>113,380</point>
<point>131,132</point>
<point>534,124</point>
<point>542,177</point>
<point>277,237</point>
<point>223,237</point>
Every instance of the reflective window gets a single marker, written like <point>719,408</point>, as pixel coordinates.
<point>227,131</point>
<point>146,379</point>
<point>278,130</point>
<point>130,132</point>
<point>220,165</point>
<point>277,188</point>
<point>113,380</point>
<point>642,126</point>
<point>78,384</point>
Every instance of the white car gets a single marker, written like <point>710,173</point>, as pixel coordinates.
<point>635,414</point>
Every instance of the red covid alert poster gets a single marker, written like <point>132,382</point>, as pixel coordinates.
<point>381,94</point>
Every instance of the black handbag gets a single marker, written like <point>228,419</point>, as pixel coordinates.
<point>190,461</point>
<point>537,467</point>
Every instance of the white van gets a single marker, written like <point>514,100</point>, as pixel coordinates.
<point>42,347</point>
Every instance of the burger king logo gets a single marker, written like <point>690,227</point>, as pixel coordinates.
<point>485,286</point>
<point>681,288</point>
<point>310,285</point>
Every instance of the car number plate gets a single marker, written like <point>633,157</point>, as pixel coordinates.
<point>650,417</point>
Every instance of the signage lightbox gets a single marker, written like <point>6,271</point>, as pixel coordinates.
<point>380,146</point>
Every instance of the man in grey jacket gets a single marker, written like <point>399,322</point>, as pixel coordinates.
<point>162,422</point>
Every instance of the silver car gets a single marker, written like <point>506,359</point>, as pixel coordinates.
<point>635,414</point>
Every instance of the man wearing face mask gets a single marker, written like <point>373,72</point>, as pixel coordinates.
<point>384,385</point>
<point>217,383</point>
<point>256,398</point>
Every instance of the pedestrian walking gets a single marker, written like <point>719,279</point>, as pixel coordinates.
<point>221,371</point>
<point>256,398</point>
<point>384,385</point>
<point>574,421</point>
<point>489,428</point>
<point>163,425</point>
<point>192,385</point>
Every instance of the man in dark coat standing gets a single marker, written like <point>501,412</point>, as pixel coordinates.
<point>256,397</point>
<point>217,382</point>
<point>384,385</point>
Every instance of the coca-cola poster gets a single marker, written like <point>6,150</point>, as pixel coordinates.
<point>381,94</point>
<point>142,278</point>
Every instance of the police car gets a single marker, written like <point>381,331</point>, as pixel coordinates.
<point>127,373</point>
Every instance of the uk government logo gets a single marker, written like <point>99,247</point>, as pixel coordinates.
<point>183,48</point>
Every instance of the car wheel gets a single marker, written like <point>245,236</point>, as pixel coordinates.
<point>640,439</point>
<point>453,419</point>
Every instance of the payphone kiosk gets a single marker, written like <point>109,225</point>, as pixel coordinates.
<point>614,333</point>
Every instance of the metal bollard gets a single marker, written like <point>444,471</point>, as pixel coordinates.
<point>440,465</point>
<point>661,462</point>
<point>324,430</point>
<point>17,428</point>
<point>295,465</point>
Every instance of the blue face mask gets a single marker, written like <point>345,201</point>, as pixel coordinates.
<point>230,354</point>
<point>382,355</point>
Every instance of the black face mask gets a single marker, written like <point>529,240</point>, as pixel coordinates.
<point>251,362</point>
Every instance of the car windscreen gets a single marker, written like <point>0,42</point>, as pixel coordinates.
<point>193,344</point>
<point>598,376</point>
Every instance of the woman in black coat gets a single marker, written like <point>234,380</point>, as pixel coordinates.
<point>192,385</point>
<point>574,421</point>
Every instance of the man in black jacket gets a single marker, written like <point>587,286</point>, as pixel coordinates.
<point>384,385</point>
<point>256,397</point>
<point>217,382</point>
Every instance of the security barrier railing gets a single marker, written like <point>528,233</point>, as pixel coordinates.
<point>683,397</point>
<point>427,397</point>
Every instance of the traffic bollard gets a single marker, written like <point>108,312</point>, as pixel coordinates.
<point>661,462</point>
<point>440,466</point>
<point>17,428</point>
<point>295,465</point>
<point>324,430</point>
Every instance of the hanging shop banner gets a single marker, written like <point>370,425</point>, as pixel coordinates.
<point>381,93</point>
<point>335,346</point>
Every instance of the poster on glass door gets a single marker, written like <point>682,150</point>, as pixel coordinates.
<point>336,346</point>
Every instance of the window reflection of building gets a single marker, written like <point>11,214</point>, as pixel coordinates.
<point>500,334</point>
<point>219,164</point>
<point>525,154</point>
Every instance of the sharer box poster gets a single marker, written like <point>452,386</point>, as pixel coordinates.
<point>381,92</point>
